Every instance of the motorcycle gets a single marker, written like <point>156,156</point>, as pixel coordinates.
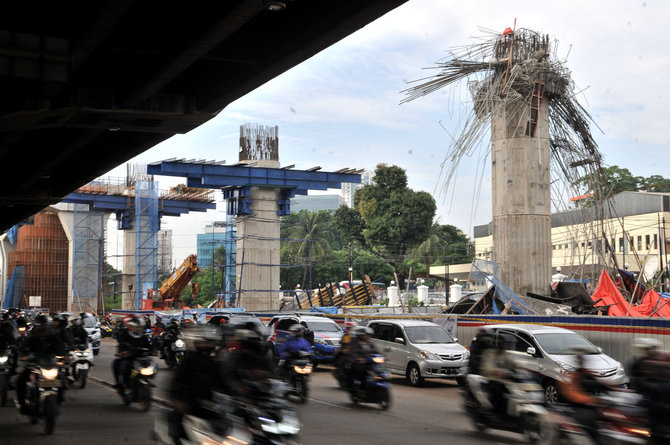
<point>81,360</point>
<point>143,371</point>
<point>106,330</point>
<point>42,391</point>
<point>174,348</point>
<point>524,410</point>
<point>622,420</point>
<point>377,389</point>
<point>270,419</point>
<point>213,423</point>
<point>7,364</point>
<point>297,376</point>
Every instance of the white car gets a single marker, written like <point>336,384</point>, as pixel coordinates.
<point>550,353</point>
<point>419,350</point>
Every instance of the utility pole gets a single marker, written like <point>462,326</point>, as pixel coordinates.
<point>446,274</point>
<point>351,264</point>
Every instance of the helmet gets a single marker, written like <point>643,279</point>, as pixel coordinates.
<point>41,319</point>
<point>202,338</point>
<point>297,330</point>
<point>136,326</point>
<point>249,339</point>
<point>363,331</point>
<point>76,321</point>
<point>646,344</point>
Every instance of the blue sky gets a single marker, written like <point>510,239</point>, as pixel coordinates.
<point>341,107</point>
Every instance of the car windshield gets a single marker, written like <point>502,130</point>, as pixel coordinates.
<point>565,344</point>
<point>427,334</point>
<point>323,326</point>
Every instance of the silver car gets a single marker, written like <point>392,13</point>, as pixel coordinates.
<point>419,350</point>
<point>550,352</point>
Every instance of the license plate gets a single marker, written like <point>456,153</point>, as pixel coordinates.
<point>82,366</point>
<point>49,383</point>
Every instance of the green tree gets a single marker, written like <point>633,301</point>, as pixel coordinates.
<point>307,236</point>
<point>609,181</point>
<point>655,183</point>
<point>349,223</point>
<point>112,288</point>
<point>395,218</point>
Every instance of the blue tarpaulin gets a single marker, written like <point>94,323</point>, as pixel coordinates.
<point>14,288</point>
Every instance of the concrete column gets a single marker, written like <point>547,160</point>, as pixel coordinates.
<point>128,271</point>
<point>66,218</point>
<point>258,252</point>
<point>521,198</point>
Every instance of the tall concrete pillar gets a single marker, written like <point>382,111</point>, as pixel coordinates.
<point>258,252</point>
<point>128,271</point>
<point>521,197</point>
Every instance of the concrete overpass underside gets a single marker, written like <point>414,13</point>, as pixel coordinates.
<point>85,86</point>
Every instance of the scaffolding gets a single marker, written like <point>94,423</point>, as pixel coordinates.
<point>146,243</point>
<point>42,252</point>
<point>89,244</point>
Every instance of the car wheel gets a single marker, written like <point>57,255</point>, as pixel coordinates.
<point>414,375</point>
<point>550,393</point>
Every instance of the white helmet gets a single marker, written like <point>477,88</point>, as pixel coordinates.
<point>646,344</point>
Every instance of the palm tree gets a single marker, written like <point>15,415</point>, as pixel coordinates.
<point>311,234</point>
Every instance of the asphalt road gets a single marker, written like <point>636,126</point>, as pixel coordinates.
<point>431,414</point>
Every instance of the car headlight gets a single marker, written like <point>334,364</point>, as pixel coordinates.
<point>466,356</point>
<point>619,369</point>
<point>564,367</point>
<point>3,359</point>
<point>428,355</point>
<point>50,374</point>
<point>179,343</point>
<point>319,341</point>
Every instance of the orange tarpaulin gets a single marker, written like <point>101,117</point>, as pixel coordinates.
<point>609,294</point>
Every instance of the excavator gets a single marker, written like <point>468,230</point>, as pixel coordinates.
<point>167,297</point>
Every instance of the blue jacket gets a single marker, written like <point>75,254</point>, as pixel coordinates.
<point>293,345</point>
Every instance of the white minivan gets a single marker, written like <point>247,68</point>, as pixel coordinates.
<point>419,350</point>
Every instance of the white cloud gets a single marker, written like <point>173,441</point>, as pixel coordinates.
<point>340,108</point>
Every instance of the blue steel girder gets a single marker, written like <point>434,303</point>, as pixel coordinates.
<point>216,176</point>
<point>112,203</point>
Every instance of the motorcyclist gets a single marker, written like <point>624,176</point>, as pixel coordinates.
<point>480,343</point>
<point>9,335</point>
<point>60,327</point>
<point>496,366</point>
<point>132,344</point>
<point>247,363</point>
<point>77,332</point>
<point>196,378</point>
<point>293,346</point>
<point>579,390</point>
<point>44,341</point>
<point>361,349</point>
<point>648,379</point>
<point>171,334</point>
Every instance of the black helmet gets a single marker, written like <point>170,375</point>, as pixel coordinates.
<point>41,320</point>
<point>249,339</point>
<point>202,338</point>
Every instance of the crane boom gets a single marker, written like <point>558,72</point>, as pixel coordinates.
<point>167,297</point>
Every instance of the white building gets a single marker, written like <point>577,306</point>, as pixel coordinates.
<point>349,188</point>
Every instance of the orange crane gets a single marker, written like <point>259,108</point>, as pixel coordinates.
<point>167,297</point>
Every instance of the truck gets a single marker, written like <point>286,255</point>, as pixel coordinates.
<point>167,297</point>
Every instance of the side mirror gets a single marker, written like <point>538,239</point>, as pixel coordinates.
<point>400,340</point>
<point>456,339</point>
<point>531,351</point>
<point>599,349</point>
